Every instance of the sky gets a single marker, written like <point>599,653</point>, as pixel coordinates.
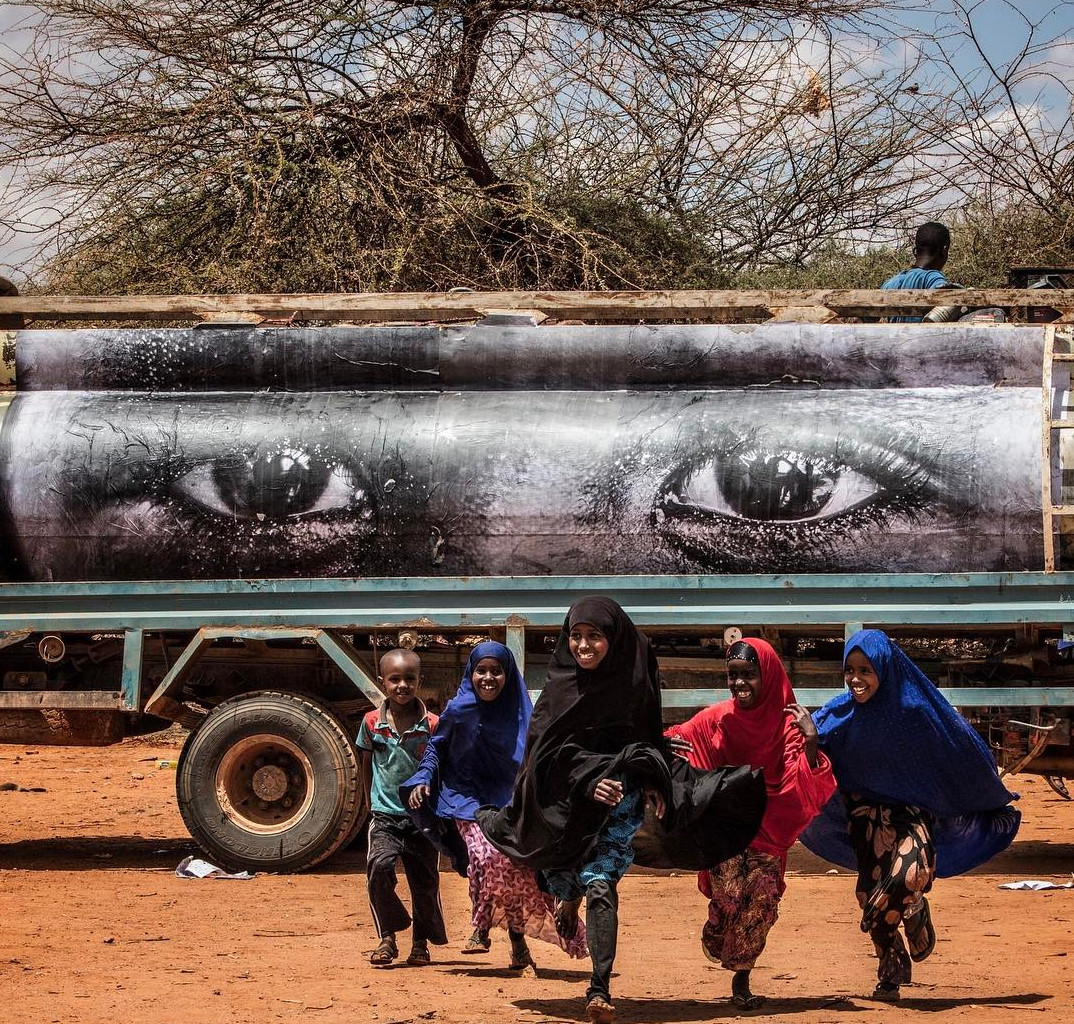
<point>1001,31</point>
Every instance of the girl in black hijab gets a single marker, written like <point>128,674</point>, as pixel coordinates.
<point>595,756</point>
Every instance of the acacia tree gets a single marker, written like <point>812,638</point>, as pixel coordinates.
<point>1002,133</point>
<point>282,146</point>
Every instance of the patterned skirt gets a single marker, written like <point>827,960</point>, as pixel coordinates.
<point>744,894</point>
<point>896,867</point>
<point>505,895</point>
<point>896,859</point>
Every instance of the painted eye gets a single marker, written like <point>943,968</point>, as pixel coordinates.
<point>774,486</point>
<point>278,485</point>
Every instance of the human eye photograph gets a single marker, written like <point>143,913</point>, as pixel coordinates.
<point>767,475</point>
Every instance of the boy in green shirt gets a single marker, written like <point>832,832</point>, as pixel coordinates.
<point>392,740</point>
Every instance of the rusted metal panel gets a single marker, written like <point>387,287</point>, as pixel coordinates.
<point>86,700</point>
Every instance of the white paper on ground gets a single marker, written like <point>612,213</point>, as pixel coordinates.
<point>1035,884</point>
<point>194,867</point>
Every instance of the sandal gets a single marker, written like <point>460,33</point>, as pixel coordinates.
<point>419,957</point>
<point>479,942</point>
<point>385,953</point>
<point>921,938</point>
<point>886,993</point>
<point>600,1011</point>
<point>521,959</point>
<point>565,916</point>
<point>750,1002</point>
<point>741,996</point>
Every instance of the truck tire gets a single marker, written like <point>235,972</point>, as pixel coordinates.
<point>270,782</point>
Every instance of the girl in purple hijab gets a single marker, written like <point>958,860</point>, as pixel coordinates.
<point>472,761</point>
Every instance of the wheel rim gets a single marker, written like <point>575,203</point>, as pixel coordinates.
<point>265,784</point>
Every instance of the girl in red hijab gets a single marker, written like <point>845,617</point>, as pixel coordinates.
<point>762,725</point>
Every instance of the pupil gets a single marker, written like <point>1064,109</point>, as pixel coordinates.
<point>785,486</point>
<point>284,484</point>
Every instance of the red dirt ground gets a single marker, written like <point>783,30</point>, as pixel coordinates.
<point>94,926</point>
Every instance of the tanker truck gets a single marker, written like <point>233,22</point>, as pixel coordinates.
<point>223,525</point>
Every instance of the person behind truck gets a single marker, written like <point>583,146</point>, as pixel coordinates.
<point>762,725</point>
<point>932,245</point>
<point>919,798</point>
<point>392,740</point>
<point>472,761</point>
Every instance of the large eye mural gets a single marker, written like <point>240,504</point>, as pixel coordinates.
<point>508,449</point>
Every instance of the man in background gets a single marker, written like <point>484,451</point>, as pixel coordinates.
<point>932,245</point>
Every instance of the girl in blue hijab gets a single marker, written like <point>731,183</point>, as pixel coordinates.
<point>472,761</point>
<point>919,796</point>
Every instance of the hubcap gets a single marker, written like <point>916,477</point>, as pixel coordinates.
<point>264,784</point>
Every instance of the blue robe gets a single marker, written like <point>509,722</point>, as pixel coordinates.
<point>908,745</point>
<point>473,757</point>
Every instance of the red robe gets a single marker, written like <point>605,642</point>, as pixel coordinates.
<point>764,737</point>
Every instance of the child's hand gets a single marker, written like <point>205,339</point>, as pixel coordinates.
<point>608,791</point>
<point>656,798</point>
<point>418,796</point>
<point>803,720</point>
<point>680,747</point>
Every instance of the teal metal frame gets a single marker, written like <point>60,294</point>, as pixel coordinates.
<point>917,599</point>
<point>322,610</point>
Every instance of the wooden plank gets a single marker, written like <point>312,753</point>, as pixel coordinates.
<point>804,315</point>
<point>580,305</point>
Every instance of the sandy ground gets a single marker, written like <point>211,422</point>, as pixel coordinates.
<point>94,926</point>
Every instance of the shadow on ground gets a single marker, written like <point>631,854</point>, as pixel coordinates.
<point>686,1011</point>
<point>95,853</point>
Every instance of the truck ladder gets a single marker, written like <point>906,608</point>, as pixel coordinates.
<point>1053,421</point>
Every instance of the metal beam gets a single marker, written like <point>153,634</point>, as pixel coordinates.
<point>962,697</point>
<point>161,701</point>
<point>14,637</point>
<point>918,599</point>
<point>131,678</point>
<point>516,644</point>
<point>345,657</point>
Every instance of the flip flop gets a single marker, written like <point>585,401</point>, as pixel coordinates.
<point>521,959</point>
<point>600,1011</point>
<point>922,923</point>
<point>886,993</point>
<point>385,953</point>
<point>750,1002</point>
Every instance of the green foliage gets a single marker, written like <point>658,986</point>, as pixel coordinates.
<point>986,244</point>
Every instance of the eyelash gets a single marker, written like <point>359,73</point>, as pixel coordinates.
<point>904,489</point>
<point>197,486</point>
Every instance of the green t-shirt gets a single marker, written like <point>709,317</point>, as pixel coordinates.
<point>395,757</point>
